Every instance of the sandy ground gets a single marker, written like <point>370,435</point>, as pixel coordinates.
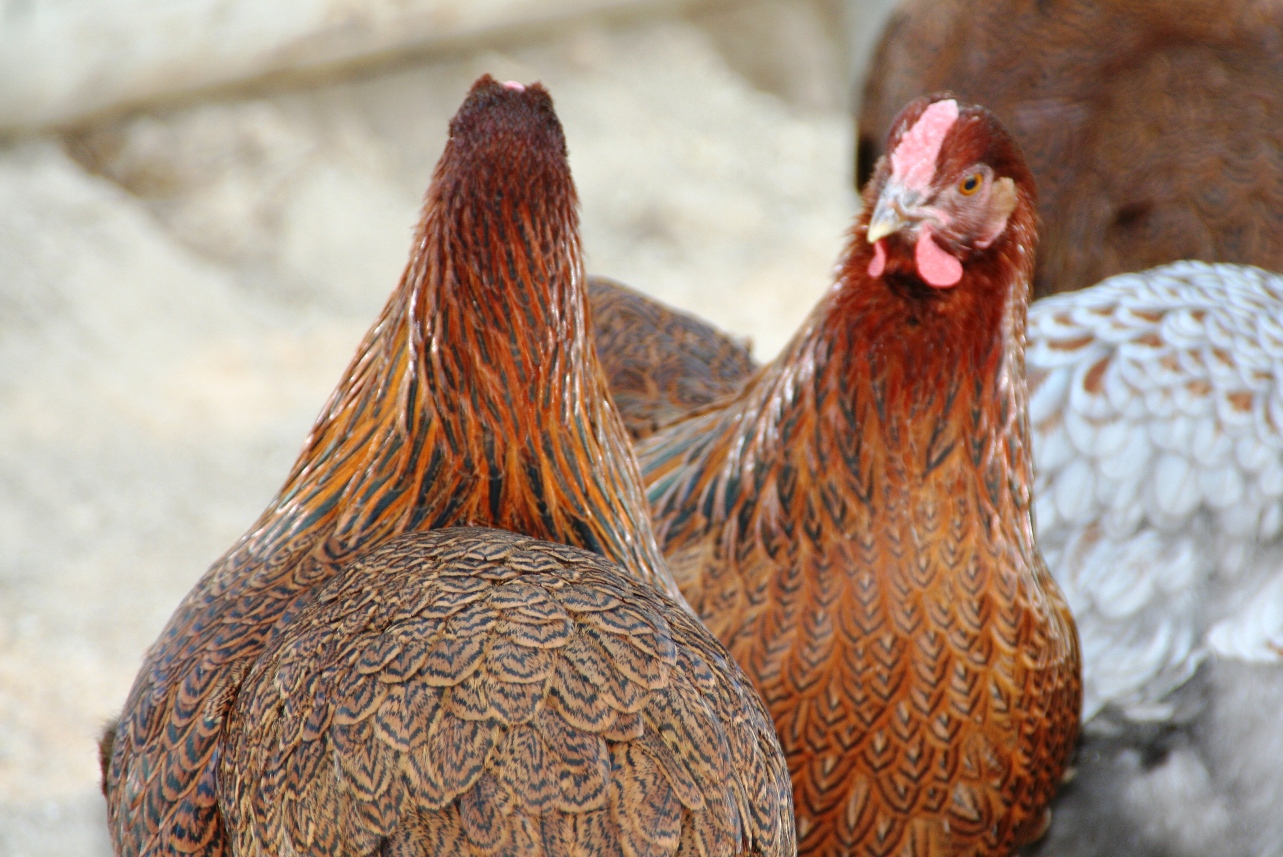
<point>181,288</point>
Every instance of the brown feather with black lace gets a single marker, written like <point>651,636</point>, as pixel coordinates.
<point>856,526</point>
<point>1151,126</point>
<point>661,364</point>
<point>364,721</point>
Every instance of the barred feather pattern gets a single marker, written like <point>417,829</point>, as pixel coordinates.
<point>661,364</point>
<point>857,528</point>
<point>475,692</point>
<point>474,399</point>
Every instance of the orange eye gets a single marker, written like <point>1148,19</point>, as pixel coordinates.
<point>970,184</point>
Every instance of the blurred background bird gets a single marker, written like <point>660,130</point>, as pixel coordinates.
<point>1151,126</point>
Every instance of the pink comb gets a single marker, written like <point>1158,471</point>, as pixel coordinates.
<point>913,162</point>
<point>514,86</point>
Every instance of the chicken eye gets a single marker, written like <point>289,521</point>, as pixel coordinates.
<point>970,184</point>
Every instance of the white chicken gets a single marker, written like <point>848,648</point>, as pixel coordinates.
<point>1156,401</point>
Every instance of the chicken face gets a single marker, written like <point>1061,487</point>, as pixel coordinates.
<point>942,194</point>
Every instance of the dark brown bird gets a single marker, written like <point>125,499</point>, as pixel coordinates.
<point>661,363</point>
<point>1151,126</point>
<point>342,682</point>
<point>856,526</point>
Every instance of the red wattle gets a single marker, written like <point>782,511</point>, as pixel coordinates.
<point>935,266</point>
<point>879,261</point>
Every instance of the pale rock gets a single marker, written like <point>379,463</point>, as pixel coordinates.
<point>315,192</point>
<point>63,61</point>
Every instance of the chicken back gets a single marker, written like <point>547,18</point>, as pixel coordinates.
<point>473,691</point>
<point>857,524</point>
<point>326,686</point>
<point>1151,126</point>
<point>661,364</point>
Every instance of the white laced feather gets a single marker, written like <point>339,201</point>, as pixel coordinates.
<point>1156,401</point>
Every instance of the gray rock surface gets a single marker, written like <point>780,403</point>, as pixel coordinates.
<point>181,288</point>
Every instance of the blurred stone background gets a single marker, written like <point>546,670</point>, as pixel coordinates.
<point>203,206</point>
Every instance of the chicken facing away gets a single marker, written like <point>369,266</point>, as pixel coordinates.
<point>343,682</point>
<point>1151,126</point>
<point>473,691</point>
<point>857,524</point>
<point>660,363</point>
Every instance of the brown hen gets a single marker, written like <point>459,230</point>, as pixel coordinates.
<point>660,363</point>
<point>856,526</point>
<point>340,684</point>
<point>1151,126</point>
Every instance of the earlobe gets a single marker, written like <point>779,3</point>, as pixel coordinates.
<point>1004,198</point>
<point>1002,202</point>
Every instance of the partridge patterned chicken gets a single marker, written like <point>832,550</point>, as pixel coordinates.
<point>1151,126</point>
<point>857,524</point>
<point>370,670</point>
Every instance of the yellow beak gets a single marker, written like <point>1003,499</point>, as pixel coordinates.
<point>896,209</point>
<point>883,224</point>
<point>888,215</point>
